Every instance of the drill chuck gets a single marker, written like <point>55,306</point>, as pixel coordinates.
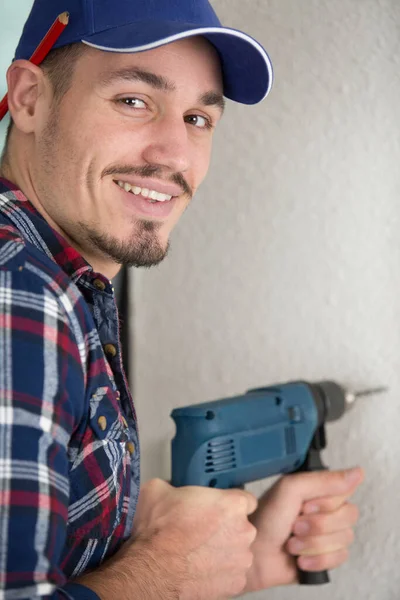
<point>332,400</point>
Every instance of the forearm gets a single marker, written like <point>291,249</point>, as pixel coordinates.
<point>138,572</point>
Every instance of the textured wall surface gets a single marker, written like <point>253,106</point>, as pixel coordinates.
<point>287,265</point>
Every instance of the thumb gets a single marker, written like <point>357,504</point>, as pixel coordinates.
<point>317,484</point>
<point>280,506</point>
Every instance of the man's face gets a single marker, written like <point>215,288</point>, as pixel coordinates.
<point>130,125</point>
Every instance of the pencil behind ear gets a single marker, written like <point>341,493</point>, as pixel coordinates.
<point>42,50</point>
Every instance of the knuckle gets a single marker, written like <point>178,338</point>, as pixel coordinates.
<point>158,481</point>
<point>239,582</point>
<point>251,532</point>
<point>244,560</point>
<point>242,502</point>
<point>150,484</point>
<point>248,533</point>
<point>233,498</point>
<point>153,485</point>
<point>251,499</point>
<point>233,505</point>
<point>248,560</point>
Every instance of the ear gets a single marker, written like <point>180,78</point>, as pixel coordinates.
<point>25,86</point>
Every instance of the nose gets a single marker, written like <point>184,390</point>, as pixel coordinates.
<point>169,145</point>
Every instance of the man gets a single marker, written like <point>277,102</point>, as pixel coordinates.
<point>110,139</point>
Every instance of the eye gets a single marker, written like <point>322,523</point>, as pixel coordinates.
<point>133,102</point>
<point>199,121</point>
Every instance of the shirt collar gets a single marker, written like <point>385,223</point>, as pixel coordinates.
<point>15,206</point>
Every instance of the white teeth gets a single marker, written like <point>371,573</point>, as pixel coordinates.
<point>145,192</point>
<point>161,197</point>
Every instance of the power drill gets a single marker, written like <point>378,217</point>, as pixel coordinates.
<point>266,431</point>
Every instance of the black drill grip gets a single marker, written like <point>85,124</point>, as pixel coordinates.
<point>309,578</point>
<point>313,462</point>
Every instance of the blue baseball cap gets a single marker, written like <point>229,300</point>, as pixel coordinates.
<point>139,25</point>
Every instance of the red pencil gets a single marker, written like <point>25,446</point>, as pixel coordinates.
<point>42,50</point>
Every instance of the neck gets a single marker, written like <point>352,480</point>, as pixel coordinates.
<point>5,170</point>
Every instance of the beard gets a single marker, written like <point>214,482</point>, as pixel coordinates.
<point>142,250</point>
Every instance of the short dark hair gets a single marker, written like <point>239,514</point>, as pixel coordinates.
<point>59,66</point>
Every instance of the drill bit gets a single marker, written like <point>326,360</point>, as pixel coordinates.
<point>351,397</point>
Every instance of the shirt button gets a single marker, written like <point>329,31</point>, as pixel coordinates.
<point>124,422</point>
<point>130,447</point>
<point>102,421</point>
<point>99,284</point>
<point>110,349</point>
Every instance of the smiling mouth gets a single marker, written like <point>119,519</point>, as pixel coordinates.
<point>151,196</point>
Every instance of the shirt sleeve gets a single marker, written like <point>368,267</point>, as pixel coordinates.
<point>42,385</point>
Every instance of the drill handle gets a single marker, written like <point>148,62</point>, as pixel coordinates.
<point>314,462</point>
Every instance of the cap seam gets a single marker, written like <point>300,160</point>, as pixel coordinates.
<point>90,15</point>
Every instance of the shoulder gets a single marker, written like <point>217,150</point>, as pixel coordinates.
<point>17,254</point>
<point>34,283</point>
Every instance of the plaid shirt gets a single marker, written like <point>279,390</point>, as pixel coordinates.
<point>69,452</point>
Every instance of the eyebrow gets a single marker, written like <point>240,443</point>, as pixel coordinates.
<point>158,82</point>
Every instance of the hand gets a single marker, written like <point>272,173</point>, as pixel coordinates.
<point>191,543</point>
<point>202,535</point>
<point>304,520</point>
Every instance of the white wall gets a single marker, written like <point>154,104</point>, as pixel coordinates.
<point>288,263</point>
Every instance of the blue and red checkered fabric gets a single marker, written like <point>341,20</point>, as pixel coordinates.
<point>69,451</point>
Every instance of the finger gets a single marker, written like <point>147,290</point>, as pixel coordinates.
<point>321,544</point>
<point>245,499</point>
<point>324,523</point>
<point>325,504</point>
<point>324,562</point>
<point>320,484</point>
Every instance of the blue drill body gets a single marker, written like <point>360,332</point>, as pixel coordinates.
<point>233,441</point>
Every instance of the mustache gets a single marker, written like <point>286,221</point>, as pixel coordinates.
<point>149,171</point>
